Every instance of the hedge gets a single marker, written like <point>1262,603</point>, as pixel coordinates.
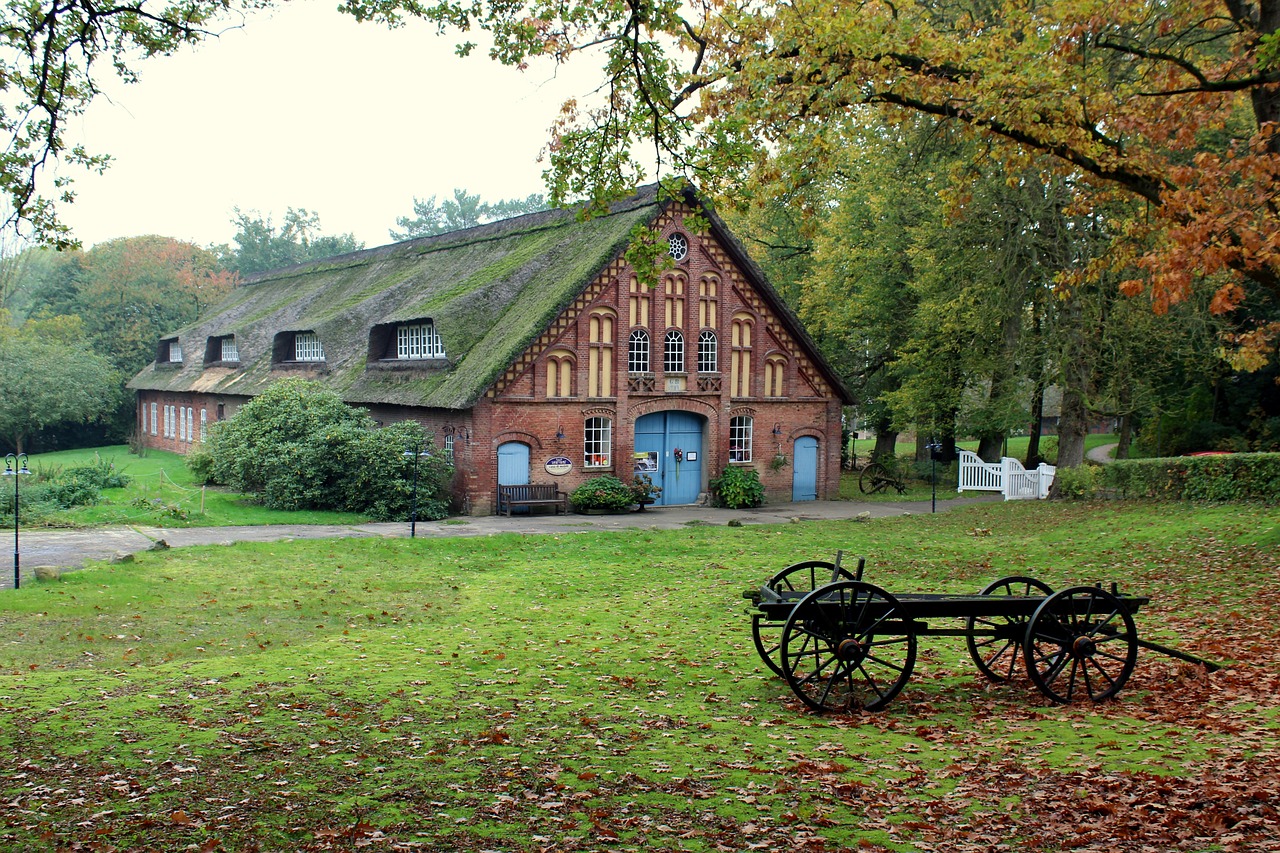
<point>1232,477</point>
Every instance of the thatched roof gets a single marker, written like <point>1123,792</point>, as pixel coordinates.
<point>490,291</point>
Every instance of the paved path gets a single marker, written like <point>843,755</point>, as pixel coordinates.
<point>1103,454</point>
<point>72,549</point>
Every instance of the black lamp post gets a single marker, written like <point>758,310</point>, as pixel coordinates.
<point>934,447</point>
<point>417,452</point>
<point>14,465</point>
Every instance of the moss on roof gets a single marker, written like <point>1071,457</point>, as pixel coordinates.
<point>490,292</point>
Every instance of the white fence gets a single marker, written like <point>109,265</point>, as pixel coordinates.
<point>1006,476</point>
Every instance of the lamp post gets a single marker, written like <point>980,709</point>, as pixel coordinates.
<point>15,465</point>
<point>934,446</point>
<point>417,452</point>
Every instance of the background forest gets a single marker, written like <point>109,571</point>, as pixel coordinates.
<point>928,276</point>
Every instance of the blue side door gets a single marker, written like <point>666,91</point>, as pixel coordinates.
<point>513,466</point>
<point>804,477</point>
<point>664,433</point>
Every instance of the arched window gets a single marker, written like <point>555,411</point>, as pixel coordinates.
<point>775,369</point>
<point>707,361</point>
<point>600,354</point>
<point>560,364</point>
<point>638,352</point>
<point>597,443</point>
<point>740,439</point>
<point>673,352</point>
<point>740,368</point>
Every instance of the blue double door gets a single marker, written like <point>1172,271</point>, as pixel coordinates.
<point>675,440</point>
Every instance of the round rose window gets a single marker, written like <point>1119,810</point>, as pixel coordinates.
<point>678,245</point>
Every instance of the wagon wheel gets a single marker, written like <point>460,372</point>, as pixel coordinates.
<point>802,577</point>
<point>1080,641</point>
<point>874,478</point>
<point>997,656</point>
<point>847,646</point>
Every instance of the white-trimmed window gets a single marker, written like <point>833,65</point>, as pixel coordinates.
<point>418,341</point>
<point>708,361</point>
<point>204,425</point>
<point>144,419</point>
<point>175,353</point>
<point>306,347</point>
<point>740,439</point>
<point>191,424</point>
<point>229,350</point>
<point>182,423</point>
<point>673,352</point>
<point>678,246</point>
<point>154,427</point>
<point>638,352</point>
<point>597,443</point>
<point>448,447</point>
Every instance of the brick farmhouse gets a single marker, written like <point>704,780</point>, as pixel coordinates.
<point>533,352</point>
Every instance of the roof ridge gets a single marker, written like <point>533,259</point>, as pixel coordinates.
<point>476,234</point>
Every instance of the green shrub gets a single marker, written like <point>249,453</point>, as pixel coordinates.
<point>604,493</point>
<point>737,488</point>
<point>1077,484</point>
<point>50,489</point>
<point>299,446</point>
<point>1235,477</point>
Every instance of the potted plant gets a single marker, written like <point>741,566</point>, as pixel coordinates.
<point>644,491</point>
<point>601,495</point>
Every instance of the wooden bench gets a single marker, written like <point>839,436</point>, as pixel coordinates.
<point>531,495</point>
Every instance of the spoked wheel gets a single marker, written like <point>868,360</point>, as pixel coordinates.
<point>848,646</point>
<point>874,478</point>
<point>997,651</point>
<point>801,578</point>
<point>1080,642</point>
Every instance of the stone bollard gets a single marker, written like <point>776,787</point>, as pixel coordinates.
<point>48,573</point>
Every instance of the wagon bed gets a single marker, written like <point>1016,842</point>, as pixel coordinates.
<point>844,644</point>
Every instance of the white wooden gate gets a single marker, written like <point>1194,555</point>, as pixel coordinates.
<point>1006,476</point>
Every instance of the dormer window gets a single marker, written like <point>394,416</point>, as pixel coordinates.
<point>222,350</point>
<point>169,352</point>
<point>418,341</point>
<point>297,348</point>
<point>306,347</point>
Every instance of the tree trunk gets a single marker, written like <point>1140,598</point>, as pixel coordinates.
<point>1037,421</point>
<point>1073,426</point>
<point>1126,436</point>
<point>886,442</point>
<point>991,448</point>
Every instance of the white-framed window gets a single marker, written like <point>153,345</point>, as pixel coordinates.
<point>597,443</point>
<point>638,352</point>
<point>419,340</point>
<point>191,424</point>
<point>448,447</point>
<point>740,439</point>
<point>204,425</point>
<point>144,420</point>
<point>306,347</point>
<point>673,352</point>
<point>175,353</point>
<point>168,421</point>
<point>230,352</point>
<point>154,427</point>
<point>678,246</point>
<point>707,354</point>
<point>182,423</point>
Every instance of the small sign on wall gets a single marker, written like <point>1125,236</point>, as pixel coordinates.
<point>559,465</point>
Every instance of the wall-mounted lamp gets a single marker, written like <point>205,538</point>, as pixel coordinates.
<point>559,433</point>
<point>777,429</point>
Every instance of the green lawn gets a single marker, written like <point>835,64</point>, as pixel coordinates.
<point>601,692</point>
<point>162,492</point>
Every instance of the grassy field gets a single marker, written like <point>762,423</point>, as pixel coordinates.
<point>601,692</point>
<point>162,491</point>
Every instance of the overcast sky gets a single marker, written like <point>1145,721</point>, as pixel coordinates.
<point>304,107</point>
